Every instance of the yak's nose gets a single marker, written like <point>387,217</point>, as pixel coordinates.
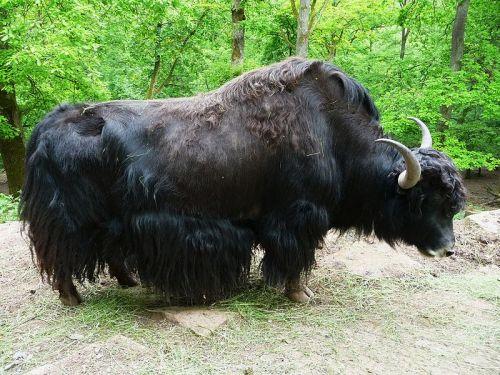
<point>444,251</point>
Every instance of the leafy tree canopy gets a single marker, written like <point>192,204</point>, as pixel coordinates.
<point>85,50</point>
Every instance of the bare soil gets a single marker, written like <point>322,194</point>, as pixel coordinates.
<point>484,190</point>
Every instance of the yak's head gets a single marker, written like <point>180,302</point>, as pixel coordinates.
<point>430,192</point>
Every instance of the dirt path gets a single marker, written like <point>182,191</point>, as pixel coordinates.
<point>376,310</point>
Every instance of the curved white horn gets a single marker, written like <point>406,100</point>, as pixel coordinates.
<point>409,177</point>
<point>426,134</point>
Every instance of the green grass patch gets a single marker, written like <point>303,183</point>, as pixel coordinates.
<point>8,208</point>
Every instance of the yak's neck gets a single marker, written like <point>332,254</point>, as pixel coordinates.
<point>369,191</point>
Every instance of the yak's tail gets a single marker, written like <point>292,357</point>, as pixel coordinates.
<point>61,206</point>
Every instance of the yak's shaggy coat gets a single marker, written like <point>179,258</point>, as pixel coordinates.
<point>181,190</point>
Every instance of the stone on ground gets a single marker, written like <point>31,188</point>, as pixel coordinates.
<point>201,321</point>
<point>488,221</point>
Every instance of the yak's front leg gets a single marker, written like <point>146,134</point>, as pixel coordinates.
<point>67,292</point>
<point>290,238</point>
<point>298,291</point>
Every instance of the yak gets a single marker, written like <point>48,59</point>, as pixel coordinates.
<point>178,193</point>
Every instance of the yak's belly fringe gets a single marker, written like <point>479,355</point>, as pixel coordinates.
<point>200,259</point>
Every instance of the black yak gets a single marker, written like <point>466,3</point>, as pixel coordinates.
<point>179,192</point>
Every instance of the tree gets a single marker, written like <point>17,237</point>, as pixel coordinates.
<point>153,87</point>
<point>307,16</point>
<point>11,141</point>
<point>404,30</point>
<point>44,56</point>
<point>302,27</point>
<point>238,16</point>
<point>458,34</point>
<point>12,147</point>
<point>85,50</point>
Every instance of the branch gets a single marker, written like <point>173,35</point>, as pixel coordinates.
<point>184,43</point>
<point>315,16</point>
<point>286,38</point>
<point>294,9</point>
<point>156,68</point>
<point>34,86</point>
<point>64,78</point>
<point>313,5</point>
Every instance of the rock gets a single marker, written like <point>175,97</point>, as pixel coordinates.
<point>201,321</point>
<point>117,355</point>
<point>488,221</point>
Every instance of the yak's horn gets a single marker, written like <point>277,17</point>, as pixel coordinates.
<point>426,134</point>
<point>409,177</point>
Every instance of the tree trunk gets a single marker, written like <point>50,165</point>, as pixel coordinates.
<point>457,52</point>
<point>458,33</point>
<point>238,15</point>
<point>442,125</point>
<point>404,36</point>
<point>303,27</point>
<point>12,149</point>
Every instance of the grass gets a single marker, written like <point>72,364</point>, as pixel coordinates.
<point>8,208</point>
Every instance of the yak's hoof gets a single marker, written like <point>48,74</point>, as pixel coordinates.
<point>70,299</point>
<point>302,295</point>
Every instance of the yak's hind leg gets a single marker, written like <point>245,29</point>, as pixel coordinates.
<point>290,238</point>
<point>118,270</point>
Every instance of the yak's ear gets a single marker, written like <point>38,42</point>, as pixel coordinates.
<point>341,79</point>
<point>354,93</point>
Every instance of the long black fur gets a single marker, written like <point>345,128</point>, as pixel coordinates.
<point>182,190</point>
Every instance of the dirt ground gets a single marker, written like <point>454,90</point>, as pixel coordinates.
<point>484,191</point>
<point>376,310</point>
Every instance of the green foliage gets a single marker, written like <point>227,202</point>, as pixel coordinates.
<point>8,208</point>
<point>71,51</point>
<point>469,159</point>
<point>6,131</point>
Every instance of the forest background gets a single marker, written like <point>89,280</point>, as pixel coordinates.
<point>433,59</point>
